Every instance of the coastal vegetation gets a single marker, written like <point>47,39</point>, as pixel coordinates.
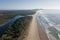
<point>7,15</point>
<point>17,29</point>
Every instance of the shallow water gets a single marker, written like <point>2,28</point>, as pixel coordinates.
<point>50,19</point>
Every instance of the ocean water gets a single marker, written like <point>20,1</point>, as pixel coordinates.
<point>50,19</point>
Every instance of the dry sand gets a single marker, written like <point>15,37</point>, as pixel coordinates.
<point>36,32</point>
<point>33,30</point>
